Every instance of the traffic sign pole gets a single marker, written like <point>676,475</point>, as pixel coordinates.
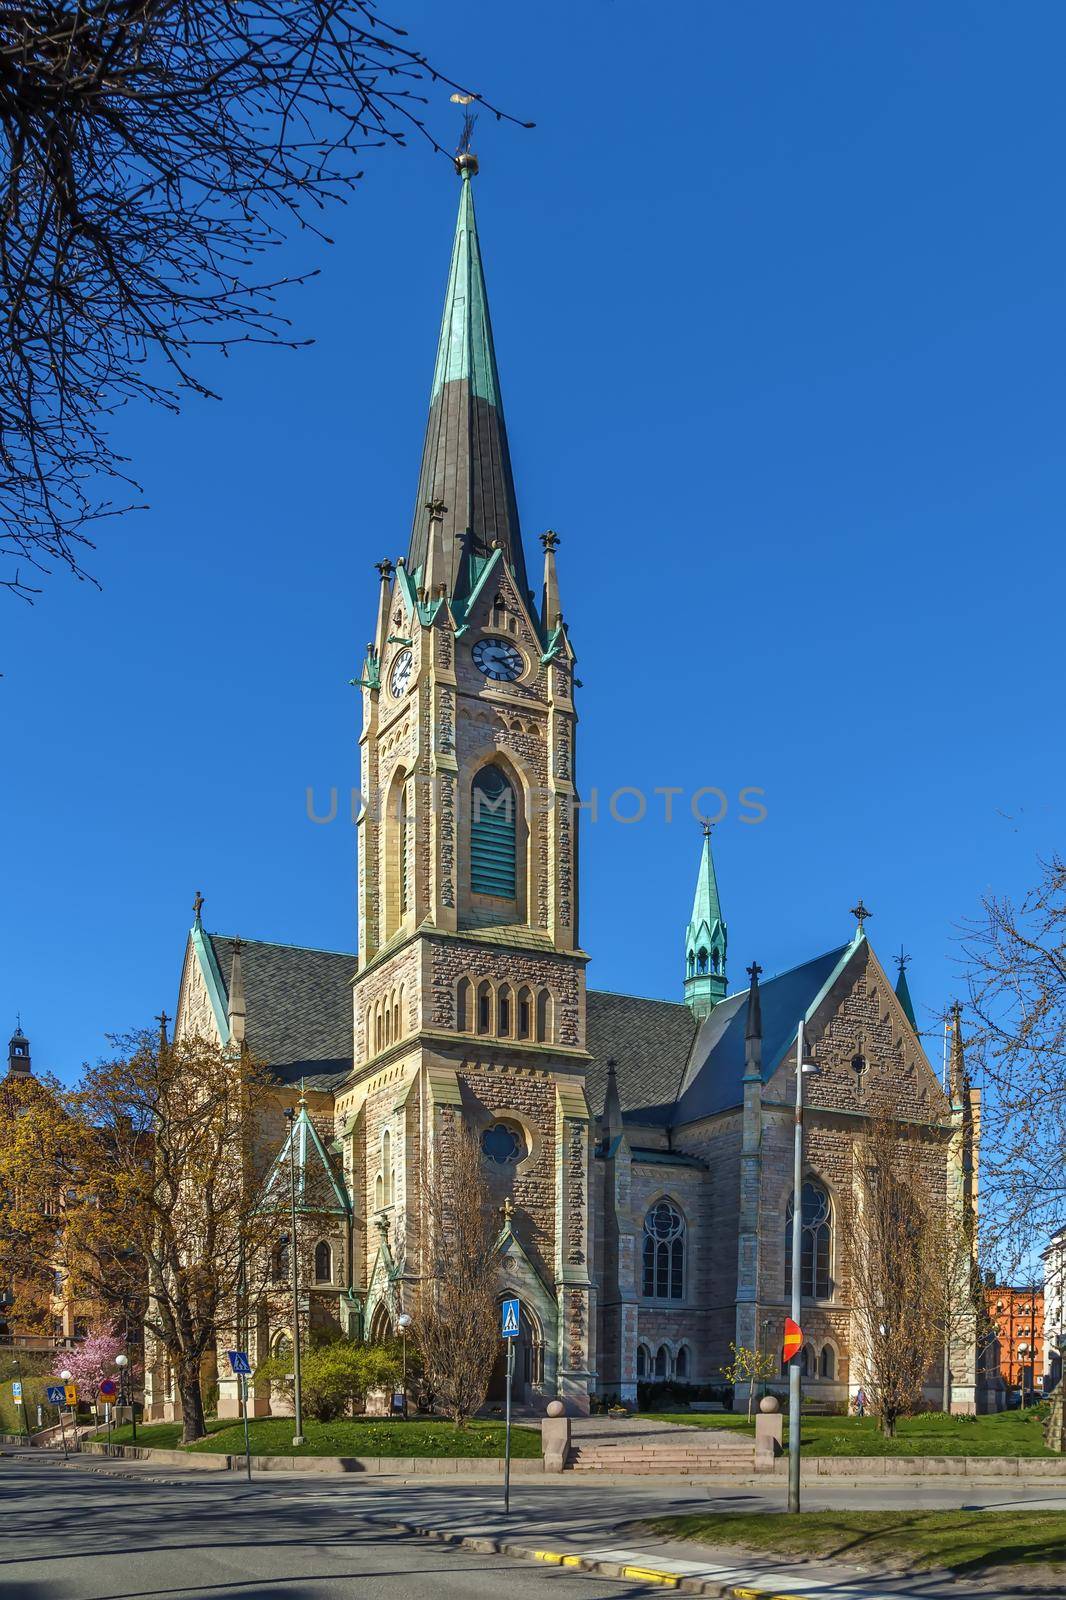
<point>247,1439</point>
<point>507,1433</point>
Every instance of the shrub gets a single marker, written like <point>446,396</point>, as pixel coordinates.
<point>334,1377</point>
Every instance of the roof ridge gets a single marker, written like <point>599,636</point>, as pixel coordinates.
<point>651,999</point>
<point>276,944</point>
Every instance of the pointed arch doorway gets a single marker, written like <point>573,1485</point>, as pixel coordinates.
<point>528,1359</point>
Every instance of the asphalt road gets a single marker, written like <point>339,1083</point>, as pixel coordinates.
<point>108,1533</point>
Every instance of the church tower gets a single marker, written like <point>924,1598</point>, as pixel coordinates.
<point>470,994</point>
<point>19,1064</point>
<point>705,939</point>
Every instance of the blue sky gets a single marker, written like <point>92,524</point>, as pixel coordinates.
<point>777,294</point>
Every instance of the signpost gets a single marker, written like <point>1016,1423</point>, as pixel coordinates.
<point>241,1368</point>
<point>510,1321</point>
<point>16,1394</point>
<point>793,1338</point>
<point>108,1391</point>
<point>56,1395</point>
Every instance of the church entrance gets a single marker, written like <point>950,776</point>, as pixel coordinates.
<point>528,1361</point>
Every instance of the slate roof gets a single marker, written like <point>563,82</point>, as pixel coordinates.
<point>714,1078</point>
<point>299,1008</point>
<point>650,1041</point>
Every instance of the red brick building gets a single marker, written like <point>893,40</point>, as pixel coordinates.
<point>1019,1315</point>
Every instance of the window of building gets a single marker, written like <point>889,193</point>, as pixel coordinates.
<point>281,1344</point>
<point>662,1362</point>
<point>464,1006</point>
<point>664,1252</point>
<point>815,1243</point>
<point>493,835</point>
<point>525,1013</point>
<point>386,1168</point>
<point>504,1143</point>
<point>642,1362</point>
<point>323,1263</point>
<point>701,962</point>
<point>401,845</point>
<point>827,1364</point>
<point>503,1012</point>
<point>681,1364</point>
<point>484,1008</point>
<point>544,1016</point>
<point>281,1264</point>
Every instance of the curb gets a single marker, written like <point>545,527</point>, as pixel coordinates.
<point>604,1569</point>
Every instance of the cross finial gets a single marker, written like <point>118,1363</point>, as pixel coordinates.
<point>238,945</point>
<point>753,972</point>
<point>860,913</point>
<point>162,1020</point>
<point>902,960</point>
<point>507,1211</point>
<point>956,1013</point>
<point>550,539</point>
<point>197,905</point>
<point>303,1093</point>
<point>436,509</point>
<point>384,569</point>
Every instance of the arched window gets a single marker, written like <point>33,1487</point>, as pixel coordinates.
<point>716,961</point>
<point>681,1364</point>
<point>544,1016</point>
<point>691,965</point>
<point>323,1263</point>
<point>281,1264</point>
<point>464,1006</point>
<point>493,835</point>
<point>642,1362</point>
<point>388,1023</point>
<point>503,1011</point>
<point>281,1344</point>
<point>827,1364</point>
<point>808,1365</point>
<point>397,1013</point>
<point>525,1014</point>
<point>386,1166</point>
<point>816,1240</point>
<point>662,1362</point>
<point>484,1007</point>
<point>664,1252</point>
<point>701,962</point>
<point>379,1192</point>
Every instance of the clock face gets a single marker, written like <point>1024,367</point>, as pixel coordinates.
<point>400,676</point>
<point>498,659</point>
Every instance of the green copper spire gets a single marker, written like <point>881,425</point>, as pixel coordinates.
<point>466,463</point>
<point>705,939</point>
<point>903,993</point>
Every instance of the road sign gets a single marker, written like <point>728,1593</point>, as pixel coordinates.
<point>108,1389</point>
<point>71,1392</point>
<point>55,1394</point>
<point>793,1338</point>
<point>509,1319</point>
<point>240,1366</point>
<point>16,1389</point>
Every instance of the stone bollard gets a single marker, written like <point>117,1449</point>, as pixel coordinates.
<point>769,1432</point>
<point>555,1437</point>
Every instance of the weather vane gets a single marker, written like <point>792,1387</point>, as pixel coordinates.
<point>469,119</point>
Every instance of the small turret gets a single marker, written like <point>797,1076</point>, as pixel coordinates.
<point>236,1006</point>
<point>18,1053</point>
<point>705,940</point>
<point>903,992</point>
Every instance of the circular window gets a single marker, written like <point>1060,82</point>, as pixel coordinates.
<point>664,1222</point>
<point>504,1143</point>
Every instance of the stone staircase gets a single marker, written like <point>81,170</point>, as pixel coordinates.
<point>671,1451</point>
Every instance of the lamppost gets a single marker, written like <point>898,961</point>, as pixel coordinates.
<point>125,1378</point>
<point>65,1377</point>
<point>804,1066</point>
<point>403,1322</point>
<point>17,1364</point>
<point>298,1436</point>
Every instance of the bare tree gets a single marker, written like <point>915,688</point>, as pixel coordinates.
<point>455,1323</point>
<point>1017,982</point>
<point>896,1276</point>
<point>156,150</point>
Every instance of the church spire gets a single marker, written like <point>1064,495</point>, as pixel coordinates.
<point>466,464</point>
<point>705,939</point>
<point>903,990</point>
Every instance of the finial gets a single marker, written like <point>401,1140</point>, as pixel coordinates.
<point>385,569</point>
<point>611,1066</point>
<point>162,1020</point>
<point>860,913</point>
<point>507,1211</point>
<point>902,961</point>
<point>303,1091</point>
<point>708,829</point>
<point>465,159</point>
<point>956,1013</point>
<point>436,509</point>
<point>197,906</point>
<point>753,973</point>
<point>238,945</point>
<point>550,539</point>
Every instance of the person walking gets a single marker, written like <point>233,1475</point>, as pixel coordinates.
<point>860,1402</point>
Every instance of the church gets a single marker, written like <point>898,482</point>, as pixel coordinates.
<point>640,1149</point>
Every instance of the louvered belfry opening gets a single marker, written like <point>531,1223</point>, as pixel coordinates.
<point>493,835</point>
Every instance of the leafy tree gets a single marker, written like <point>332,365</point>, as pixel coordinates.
<point>748,1366</point>
<point>157,149</point>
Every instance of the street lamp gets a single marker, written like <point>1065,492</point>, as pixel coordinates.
<point>298,1435</point>
<point>125,1378</point>
<point>805,1066</point>
<point>403,1322</point>
<point>67,1377</point>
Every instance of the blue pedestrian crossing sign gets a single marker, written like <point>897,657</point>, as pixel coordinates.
<point>56,1394</point>
<point>240,1366</point>
<point>509,1320</point>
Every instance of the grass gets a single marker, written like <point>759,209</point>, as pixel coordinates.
<point>963,1542</point>
<point>1010,1433</point>
<point>272,1436</point>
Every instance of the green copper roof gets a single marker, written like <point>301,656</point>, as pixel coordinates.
<point>705,939</point>
<point>317,1186</point>
<point>465,349</point>
<point>903,993</point>
<point>466,462</point>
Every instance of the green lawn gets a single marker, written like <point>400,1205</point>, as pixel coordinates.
<point>1010,1433</point>
<point>964,1542</point>
<point>272,1436</point>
